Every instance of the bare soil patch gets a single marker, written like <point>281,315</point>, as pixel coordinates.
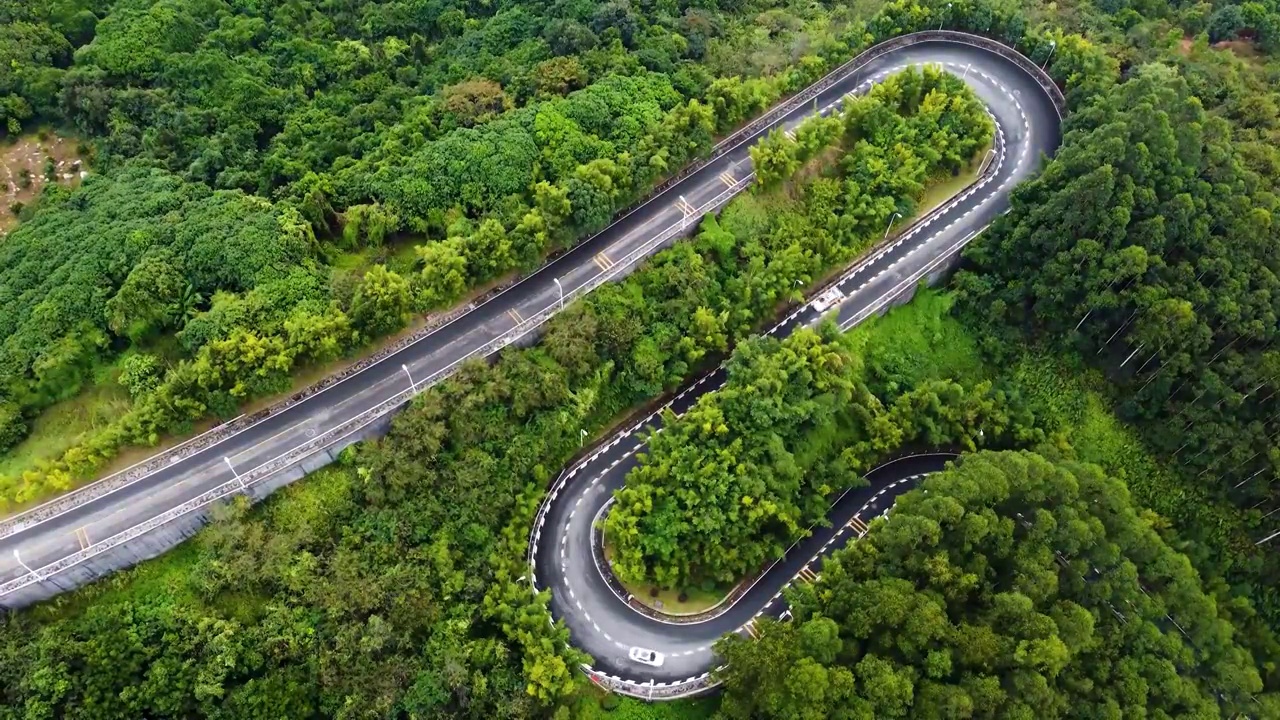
<point>25,167</point>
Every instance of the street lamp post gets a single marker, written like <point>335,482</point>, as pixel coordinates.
<point>561,289</point>
<point>895,216</point>
<point>239,479</point>
<point>943,20</point>
<point>26,567</point>
<point>1053,45</point>
<point>412,385</point>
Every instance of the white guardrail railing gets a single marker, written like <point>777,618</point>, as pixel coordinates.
<point>692,687</point>
<point>341,432</point>
<point>678,690</point>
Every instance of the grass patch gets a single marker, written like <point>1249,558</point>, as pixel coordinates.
<point>1245,50</point>
<point>920,341</point>
<point>399,255</point>
<point>676,602</point>
<point>689,601</point>
<point>64,424</point>
<point>592,703</point>
<point>943,190</point>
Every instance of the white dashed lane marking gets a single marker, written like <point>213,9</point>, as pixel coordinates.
<point>806,572</point>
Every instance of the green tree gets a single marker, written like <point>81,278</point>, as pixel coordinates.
<point>150,299</point>
<point>141,373</point>
<point>382,302</point>
<point>724,489</point>
<point>443,278</point>
<point>1008,585</point>
<point>775,159</point>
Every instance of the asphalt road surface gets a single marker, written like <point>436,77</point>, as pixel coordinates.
<point>600,620</point>
<point>1029,126</point>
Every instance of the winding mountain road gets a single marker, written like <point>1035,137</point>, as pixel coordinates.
<point>600,619</point>
<point>140,512</point>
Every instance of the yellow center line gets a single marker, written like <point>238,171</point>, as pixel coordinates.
<point>515,315</point>
<point>727,179</point>
<point>603,261</point>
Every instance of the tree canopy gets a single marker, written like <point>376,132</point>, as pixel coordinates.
<point>1148,246</point>
<point>1010,585</point>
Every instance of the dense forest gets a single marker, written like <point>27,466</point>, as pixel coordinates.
<point>342,596</point>
<point>1011,585</point>
<point>276,184</point>
<point>1148,248</point>
<point>409,155</point>
<point>729,485</point>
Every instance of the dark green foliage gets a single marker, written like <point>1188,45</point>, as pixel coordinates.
<point>742,474</point>
<point>1010,586</point>
<point>125,256</point>
<point>399,588</point>
<point>728,486</point>
<point>391,587</point>
<point>1149,246</point>
<point>13,426</point>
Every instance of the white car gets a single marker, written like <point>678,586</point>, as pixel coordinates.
<point>646,656</point>
<point>827,299</point>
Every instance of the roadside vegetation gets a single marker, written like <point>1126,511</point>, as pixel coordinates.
<point>243,140</point>
<point>395,584</point>
<point>251,154</point>
<point>1013,585</point>
<point>481,141</point>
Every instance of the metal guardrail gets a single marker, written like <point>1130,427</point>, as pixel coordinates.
<point>693,687</point>
<point>354,425</point>
<point>341,432</point>
<point>680,689</point>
